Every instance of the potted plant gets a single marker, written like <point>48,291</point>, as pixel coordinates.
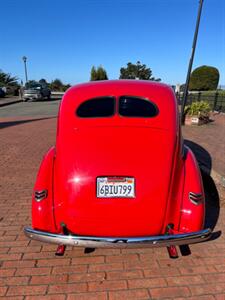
<point>197,113</point>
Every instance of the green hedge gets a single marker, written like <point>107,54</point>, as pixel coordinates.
<point>204,78</point>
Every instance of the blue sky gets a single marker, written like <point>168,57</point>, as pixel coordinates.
<point>63,39</point>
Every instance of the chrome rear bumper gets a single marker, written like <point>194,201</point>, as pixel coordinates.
<point>120,242</point>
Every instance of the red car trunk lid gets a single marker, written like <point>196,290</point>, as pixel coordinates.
<point>144,154</point>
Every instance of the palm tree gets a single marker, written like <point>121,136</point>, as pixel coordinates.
<point>7,80</point>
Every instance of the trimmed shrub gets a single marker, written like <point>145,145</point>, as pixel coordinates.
<point>204,78</point>
<point>197,108</point>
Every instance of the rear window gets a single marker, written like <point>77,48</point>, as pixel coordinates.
<point>97,107</point>
<point>137,107</point>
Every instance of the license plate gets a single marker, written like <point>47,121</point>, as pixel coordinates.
<point>115,187</point>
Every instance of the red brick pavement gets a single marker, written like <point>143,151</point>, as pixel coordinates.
<point>209,148</point>
<point>212,138</point>
<point>30,270</point>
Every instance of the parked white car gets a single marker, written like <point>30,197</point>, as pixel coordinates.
<point>36,91</point>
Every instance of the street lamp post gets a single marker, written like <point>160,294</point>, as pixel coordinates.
<point>185,95</point>
<point>25,67</point>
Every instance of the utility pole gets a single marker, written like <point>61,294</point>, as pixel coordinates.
<point>185,95</point>
<point>25,66</point>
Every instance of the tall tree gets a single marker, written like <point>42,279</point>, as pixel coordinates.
<point>98,74</point>
<point>31,83</point>
<point>56,85</point>
<point>101,73</point>
<point>66,87</point>
<point>93,74</point>
<point>137,71</point>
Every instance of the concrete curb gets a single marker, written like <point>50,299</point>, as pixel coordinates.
<point>10,102</point>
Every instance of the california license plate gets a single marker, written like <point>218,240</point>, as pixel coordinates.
<point>115,187</point>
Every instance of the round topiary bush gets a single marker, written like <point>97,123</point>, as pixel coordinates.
<point>204,78</point>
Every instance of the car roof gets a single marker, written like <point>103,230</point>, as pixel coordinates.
<point>160,94</point>
<point>115,87</point>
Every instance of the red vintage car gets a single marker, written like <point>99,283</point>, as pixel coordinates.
<point>119,174</point>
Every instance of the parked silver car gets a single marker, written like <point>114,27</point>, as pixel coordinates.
<point>36,91</point>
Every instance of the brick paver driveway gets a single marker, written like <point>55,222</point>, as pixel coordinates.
<point>30,270</point>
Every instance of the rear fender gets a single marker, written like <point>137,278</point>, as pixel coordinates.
<point>42,210</point>
<point>192,212</point>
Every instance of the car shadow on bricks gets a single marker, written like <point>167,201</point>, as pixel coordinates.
<point>212,200</point>
<point>203,157</point>
<point>19,122</point>
<point>52,99</point>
